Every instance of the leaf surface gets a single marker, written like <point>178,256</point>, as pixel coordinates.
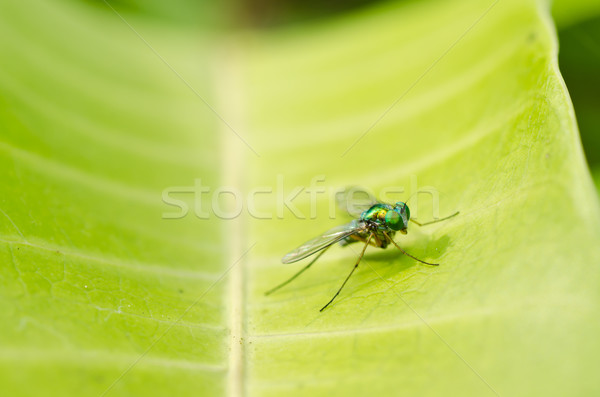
<point>100,292</point>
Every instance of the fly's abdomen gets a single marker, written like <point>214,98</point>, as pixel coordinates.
<point>347,241</point>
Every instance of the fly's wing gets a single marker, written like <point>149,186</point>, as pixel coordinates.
<point>354,200</point>
<point>356,209</point>
<point>331,236</point>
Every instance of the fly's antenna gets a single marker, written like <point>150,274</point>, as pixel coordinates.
<point>433,221</point>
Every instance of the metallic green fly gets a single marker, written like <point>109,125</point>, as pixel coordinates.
<point>377,226</point>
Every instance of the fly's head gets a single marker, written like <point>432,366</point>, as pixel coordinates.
<point>397,217</point>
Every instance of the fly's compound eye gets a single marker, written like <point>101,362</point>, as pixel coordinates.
<point>394,220</point>
<point>403,209</point>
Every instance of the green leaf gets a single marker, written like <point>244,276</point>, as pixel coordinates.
<point>100,293</point>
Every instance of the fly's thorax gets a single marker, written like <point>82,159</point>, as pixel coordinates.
<point>376,213</point>
<point>392,217</point>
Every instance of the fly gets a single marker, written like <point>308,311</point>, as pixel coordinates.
<point>376,226</point>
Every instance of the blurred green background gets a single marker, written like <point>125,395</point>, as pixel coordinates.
<point>579,60</point>
<point>578,33</point>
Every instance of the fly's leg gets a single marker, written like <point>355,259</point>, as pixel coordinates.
<point>269,292</point>
<point>353,269</point>
<point>434,221</point>
<point>406,253</point>
<point>377,242</point>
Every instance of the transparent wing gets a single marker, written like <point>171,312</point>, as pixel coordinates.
<point>354,200</point>
<point>331,236</point>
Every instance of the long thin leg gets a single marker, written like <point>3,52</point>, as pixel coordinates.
<point>406,253</point>
<point>269,292</point>
<point>353,269</point>
<point>434,221</point>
